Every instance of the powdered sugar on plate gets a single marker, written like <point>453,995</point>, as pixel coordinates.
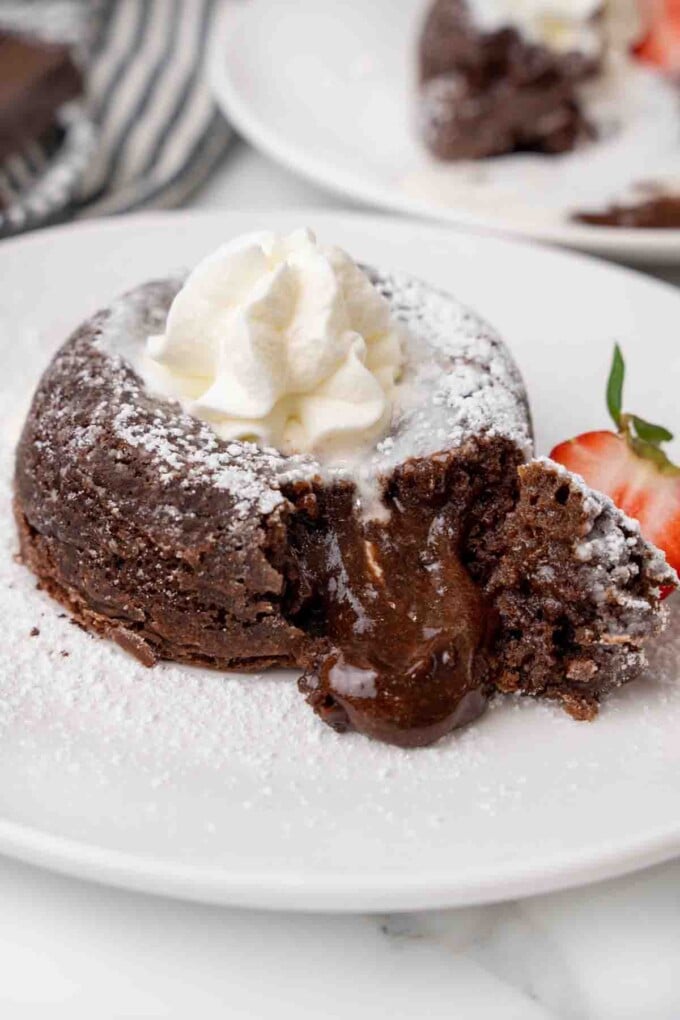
<point>84,727</point>
<point>235,778</point>
<point>97,747</point>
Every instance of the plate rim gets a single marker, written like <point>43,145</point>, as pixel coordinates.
<point>297,891</point>
<point>642,244</point>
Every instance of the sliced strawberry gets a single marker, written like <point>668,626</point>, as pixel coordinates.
<point>661,45</point>
<point>631,468</point>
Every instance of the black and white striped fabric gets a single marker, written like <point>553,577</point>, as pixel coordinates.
<point>157,134</point>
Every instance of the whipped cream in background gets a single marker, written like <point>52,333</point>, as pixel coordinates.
<point>559,24</point>
<point>625,23</point>
<point>282,342</point>
<point>584,26</point>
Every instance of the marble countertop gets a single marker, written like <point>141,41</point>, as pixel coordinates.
<point>69,949</point>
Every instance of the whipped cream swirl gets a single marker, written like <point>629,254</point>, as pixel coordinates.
<point>282,342</point>
<point>563,25</point>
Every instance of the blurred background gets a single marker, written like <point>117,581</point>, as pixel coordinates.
<point>553,119</point>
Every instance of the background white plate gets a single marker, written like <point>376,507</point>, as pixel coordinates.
<point>228,789</point>
<point>328,90</point>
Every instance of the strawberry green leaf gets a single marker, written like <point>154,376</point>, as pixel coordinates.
<point>650,433</point>
<point>650,451</point>
<point>615,386</point>
<point>643,437</point>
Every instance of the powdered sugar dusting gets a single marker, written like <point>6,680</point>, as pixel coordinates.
<point>614,543</point>
<point>459,380</point>
<point>462,382</point>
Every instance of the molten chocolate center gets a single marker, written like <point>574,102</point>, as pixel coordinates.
<point>407,627</point>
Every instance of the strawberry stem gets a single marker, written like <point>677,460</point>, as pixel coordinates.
<point>643,437</point>
<point>617,375</point>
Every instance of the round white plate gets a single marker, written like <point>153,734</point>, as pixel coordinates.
<point>228,789</point>
<point>328,90</point>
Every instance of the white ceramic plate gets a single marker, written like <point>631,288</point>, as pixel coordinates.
<point>228,789</point>
<point>327,89</point>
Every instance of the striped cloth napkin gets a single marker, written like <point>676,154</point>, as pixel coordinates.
<point>148,133</point>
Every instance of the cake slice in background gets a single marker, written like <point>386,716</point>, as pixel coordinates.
<point>47,135</point>
<point>501,76</point>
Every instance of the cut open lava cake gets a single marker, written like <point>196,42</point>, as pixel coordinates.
<point>327,468</point>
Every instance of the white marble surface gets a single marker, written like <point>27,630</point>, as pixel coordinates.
<point>73,950</point>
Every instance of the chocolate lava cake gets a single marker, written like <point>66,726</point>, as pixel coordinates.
<point>488,92</point>
<point>483,569</point>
